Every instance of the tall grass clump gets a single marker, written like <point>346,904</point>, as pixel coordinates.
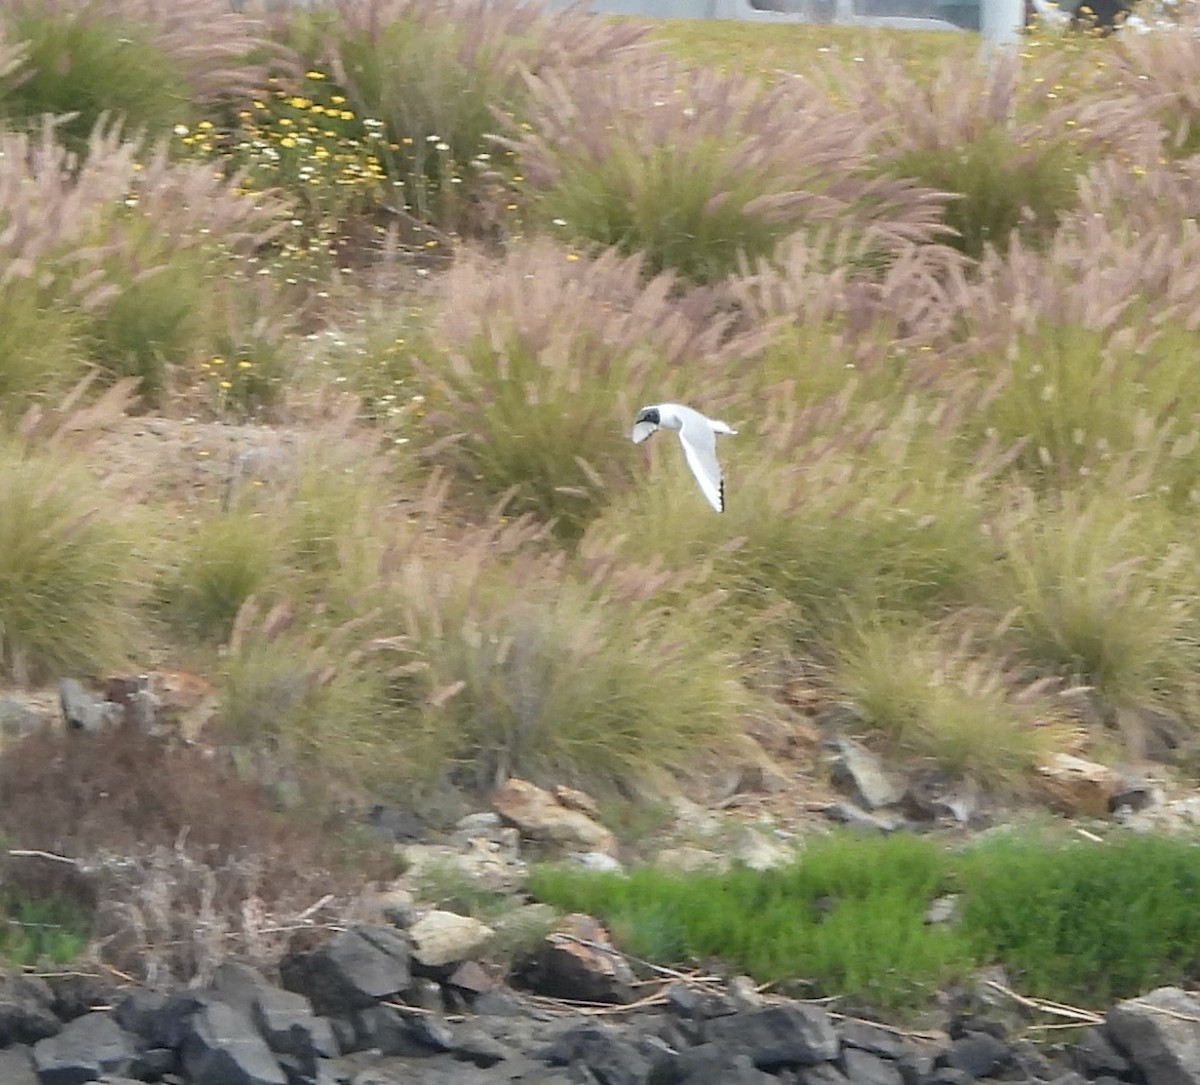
<point>930,694</point>
<point>832,513</point>
<point>546,357</point>
<point>433,73</point>
<point>843,325</point>
<point>845,919</point>
<point>503,662</point>
<point>71,571</point>
<point>1098,591</point>
<point>123,259</point>
<point>142,62</point>
<point>1160,69</point>
<point>1084,922</point>
<point>223,561</point>
<point>1083,353</point>
<point>1006,143</point>
<point>698,171</point>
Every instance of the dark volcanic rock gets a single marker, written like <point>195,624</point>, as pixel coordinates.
<point>1094,1056</point>
<point>864,1068</point>
<point>16,1066</point>
<point>978,1053</point>
<point>26,1010</point>
<point>86,1048</point>
<point>223,1048</point>
<point>785,1035</point>
<point>1163,1046</point>
<point>606,1054</point>
<point>711,1064</point>
<point>353,971</point>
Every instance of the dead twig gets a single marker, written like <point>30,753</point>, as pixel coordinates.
<point>33,853</point>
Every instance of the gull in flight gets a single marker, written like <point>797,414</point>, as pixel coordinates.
<point>697,434</point>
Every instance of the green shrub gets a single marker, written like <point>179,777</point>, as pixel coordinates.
<point>50,931</point>
<point>1083,922</point>
<point>715,172</point>
<point>845,919</point>
<point>70,569</point>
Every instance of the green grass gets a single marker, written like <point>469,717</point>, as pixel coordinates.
<point>1071,920</point>
<point>774,52</point>
<point>85,66</point>
<point>71,569</point>
<point>42,931</point>
<point>1083,922</point>
<point>938,700</point>
<point>845,919</point>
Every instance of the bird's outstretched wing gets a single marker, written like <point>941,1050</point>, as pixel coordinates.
<point>700,450</point>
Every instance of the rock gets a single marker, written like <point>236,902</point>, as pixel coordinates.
<point>753,850</point>
<point>779,1036</point>
<point>934,795</point>
<point>846,813</point>
<point>1093,1055</point>
<point>1134,797</point>
<point>16,1066</point>
<point>822,1074</point>
<point>1073,785</point>
<point>595,862</point>
<point>574,799</point>
<point>392,905</point>
<point>610,1058</point>
<point>388,1030</point>
<point>85,1049</point>
<point>286,1022</point>
<point>26,1010</point>
<point>354,970</point>
<point>948,1075</point>
<point>864,1068</point>
<point>239,986</point>
<point>942,909</point>
<point>978,1053</point>
<point>425,993</point>
<point>82,711</point>
<point>223,1048</point>
<point>1163,1047</point>
<point>857,770</point>
<point>393,824</point>
<point>711,1064</point>
<point>483,863</point>
<point>687,859</point>
<point>872,1038</point>
<point>540,816</point>
<point>472,979</point>
<point>18,720</point>
<point>576,961</point>
<point>77,993</point>
<point>443,938</point>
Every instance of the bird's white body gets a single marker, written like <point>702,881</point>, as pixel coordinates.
<point>697,434</point>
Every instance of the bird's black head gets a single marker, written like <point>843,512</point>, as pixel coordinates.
<point>649,414</point>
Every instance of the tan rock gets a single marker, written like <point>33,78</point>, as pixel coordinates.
<point>1074,785</point>
<point>442,938</point>
<point>539,815</point>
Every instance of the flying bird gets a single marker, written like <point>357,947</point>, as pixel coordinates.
<point>697,434</point>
